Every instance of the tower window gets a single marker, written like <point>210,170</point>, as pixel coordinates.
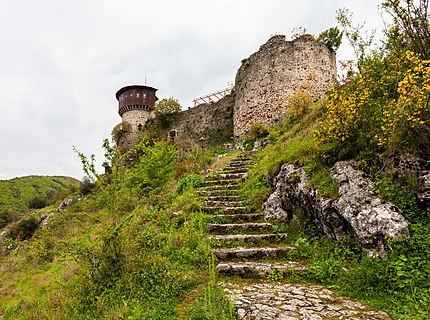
<point>137,95</point>
<point>139,127</point>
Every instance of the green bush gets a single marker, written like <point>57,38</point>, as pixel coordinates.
<point>37,202</point>
<point>331,37</point>
<point>27,227</point>
<point>155,168</point>
<point>258,131</point>
<point>166,110</point>
<point>188,182</point>
<point>86,186</point>
<point>6,217</point>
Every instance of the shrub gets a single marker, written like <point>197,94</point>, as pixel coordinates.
<point>6,217</point>
<point>381,105</point>
<point>166,110</point>
<point>258,131</point>
<point>86,186</point>
<point>331,37</point>
<point>298,105</point>
<point>37,202</point>
<point>155,167</point>
<point>119,131</point>
<point>27,227</point>
<point>189,181</point>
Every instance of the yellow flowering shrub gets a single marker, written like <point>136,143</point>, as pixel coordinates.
<point>390,96</point>
<point>298,105</point>
<point>411,108</point>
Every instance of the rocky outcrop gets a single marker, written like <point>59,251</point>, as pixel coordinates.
<point>356,211</point>
<point>67,203</point>
<point>410,166</point>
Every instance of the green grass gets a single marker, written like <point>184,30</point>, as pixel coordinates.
<point>118,254</point>
<point>21,194</point>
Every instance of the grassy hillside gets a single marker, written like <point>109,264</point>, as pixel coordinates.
<point>135,247</point>
<point>33,192</point>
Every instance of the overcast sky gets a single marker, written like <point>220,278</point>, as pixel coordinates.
<point>61,63</point>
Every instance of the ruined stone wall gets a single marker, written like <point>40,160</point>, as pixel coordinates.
<point>268,78</point>
<point>212,121</point>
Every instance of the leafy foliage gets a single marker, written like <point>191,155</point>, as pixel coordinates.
<point>27,227</point>
<point>331,37</point>
<point>410,28</point>
<point>298,105</point>
<point>119,131</point>
<point>188,182</point>
<point>155,167</point>
<point>88,164</point>
<point>380,107</point>
<point>166,110</point>
<point>258,131</point>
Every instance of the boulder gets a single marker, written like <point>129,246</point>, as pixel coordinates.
<point>357,210</point>
<point>409,165</point>
<point>67,203</point>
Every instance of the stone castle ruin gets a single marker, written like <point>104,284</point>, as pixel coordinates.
<point>264,83</point>
<point>280,69</point>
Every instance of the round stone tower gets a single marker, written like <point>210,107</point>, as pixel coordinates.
<point>135,106</point>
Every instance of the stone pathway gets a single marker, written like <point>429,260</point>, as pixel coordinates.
<point>293,301</point>
<point>246,246</point>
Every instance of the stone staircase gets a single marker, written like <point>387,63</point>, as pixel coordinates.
<point>244,244</point>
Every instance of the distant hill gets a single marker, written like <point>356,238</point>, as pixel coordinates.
<point>32,192</point>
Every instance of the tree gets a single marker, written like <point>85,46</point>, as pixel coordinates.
<point>331,37</point>
<point>166,110</point>
<point>360,43</point>
<point>411,26</point>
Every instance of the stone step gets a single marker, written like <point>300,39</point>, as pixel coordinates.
<point>222,198</point>
<point>231,210</point>
<point>227,176</point>
<point>249,237</point>
<point>223,187</point>
<point>239,217</point>
<point>251,253</point>
<point>241,227</point>
<point>239,163</point>
<point>217,192</point>
<point>223,203</point>
<point>229,169</point>
<point>221,182</point>
<point>244,155</point>
<point>250,269</point>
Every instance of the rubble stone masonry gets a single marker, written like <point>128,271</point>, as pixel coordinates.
<point>280,69</point>
<point>213,121</point>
